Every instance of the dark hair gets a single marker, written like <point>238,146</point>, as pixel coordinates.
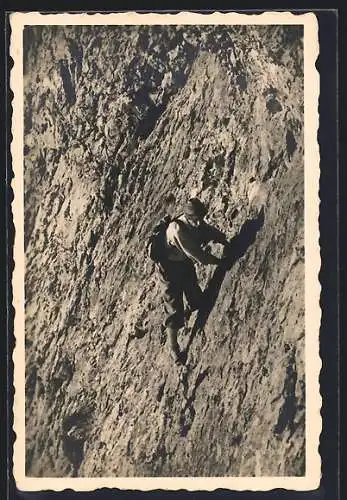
<point>195,207</point>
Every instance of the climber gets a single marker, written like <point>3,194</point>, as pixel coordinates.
<point>184,241</point>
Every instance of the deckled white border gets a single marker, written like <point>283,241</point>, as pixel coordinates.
<point>312,255</point>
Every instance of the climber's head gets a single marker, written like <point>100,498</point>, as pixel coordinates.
<point>195,211</point>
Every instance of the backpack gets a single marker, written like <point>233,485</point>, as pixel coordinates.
<point>156,242</point>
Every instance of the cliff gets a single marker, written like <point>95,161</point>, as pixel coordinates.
<point>119,120</point>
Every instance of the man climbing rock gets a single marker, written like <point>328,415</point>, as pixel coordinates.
<point>184,242</point>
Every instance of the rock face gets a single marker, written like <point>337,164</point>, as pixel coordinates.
<point>117,121</point>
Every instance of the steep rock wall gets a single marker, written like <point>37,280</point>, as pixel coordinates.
<point>117,121</point>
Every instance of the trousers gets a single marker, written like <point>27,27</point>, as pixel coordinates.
<point>178,280</point>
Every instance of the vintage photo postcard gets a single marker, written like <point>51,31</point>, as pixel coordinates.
<point>166,291</point>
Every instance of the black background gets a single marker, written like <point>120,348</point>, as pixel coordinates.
<point>333,251</point>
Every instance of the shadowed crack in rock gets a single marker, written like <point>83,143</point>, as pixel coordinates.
<point>67,83</point>
<point>188,412</point>
<point>289,407</point>
<point>75,432</point>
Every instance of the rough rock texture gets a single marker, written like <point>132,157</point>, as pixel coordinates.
<point>117,120</point>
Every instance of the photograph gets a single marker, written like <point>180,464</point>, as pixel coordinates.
<point>166,292</point>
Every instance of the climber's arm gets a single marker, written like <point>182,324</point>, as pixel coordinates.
<point>191,249</point>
